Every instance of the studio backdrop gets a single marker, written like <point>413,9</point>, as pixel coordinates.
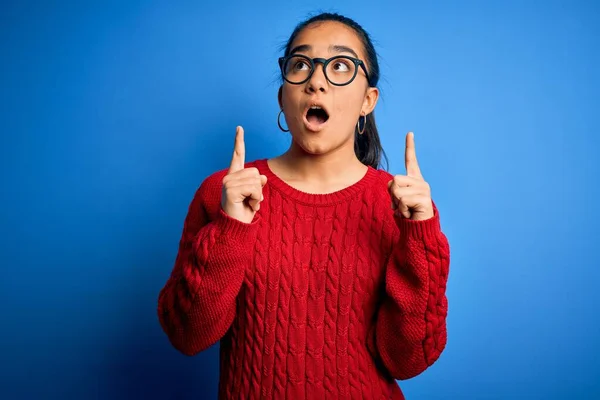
<point>112,114</point>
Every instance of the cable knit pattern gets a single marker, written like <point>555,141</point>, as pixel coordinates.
<point>320,296</point>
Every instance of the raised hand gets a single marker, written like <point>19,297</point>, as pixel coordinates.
<point>242,187</point>
<point>411,195</point>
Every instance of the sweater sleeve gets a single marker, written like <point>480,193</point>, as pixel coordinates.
<point>409,332</point>
<point>198,302</point>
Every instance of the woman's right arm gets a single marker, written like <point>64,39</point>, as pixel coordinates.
<point>198,303</point>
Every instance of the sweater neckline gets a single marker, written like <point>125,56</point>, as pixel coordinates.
<point>316,198</point>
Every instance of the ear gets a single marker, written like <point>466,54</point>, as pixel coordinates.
<point>371,97</point>
<point>280,96</point>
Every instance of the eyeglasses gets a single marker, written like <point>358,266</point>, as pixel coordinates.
<point>339,70</point>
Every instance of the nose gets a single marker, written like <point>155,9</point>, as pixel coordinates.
<point>317,81</point>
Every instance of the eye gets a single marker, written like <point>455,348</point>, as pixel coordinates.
<point>341,66</point>
<point>300,65</point>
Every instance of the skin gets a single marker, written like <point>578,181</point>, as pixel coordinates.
<point>242,187</point>
<point>323,160</point>
<point>410,193</point>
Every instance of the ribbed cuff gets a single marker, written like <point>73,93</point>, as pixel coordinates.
<point>229,252</point>
<point>235,229</point>
<point>420,229</point>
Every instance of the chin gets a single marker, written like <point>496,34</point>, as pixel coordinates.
<point>313,146</point>
<point>319,143</point>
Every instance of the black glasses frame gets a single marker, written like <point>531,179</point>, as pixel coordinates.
<point>324,61</point>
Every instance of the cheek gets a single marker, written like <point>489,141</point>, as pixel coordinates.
<point>347,106</point>
<point>291,95</point>
<point>286,97</point>
<point>290,100</point>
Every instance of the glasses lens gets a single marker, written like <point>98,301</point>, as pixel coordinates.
<point>340,71</point>
<point>296,69</point>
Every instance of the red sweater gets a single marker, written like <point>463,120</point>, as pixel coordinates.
<point>322,296</point>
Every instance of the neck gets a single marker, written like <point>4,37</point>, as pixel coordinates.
<point>341,163</point>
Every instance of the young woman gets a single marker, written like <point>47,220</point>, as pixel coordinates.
<point>321,275</point>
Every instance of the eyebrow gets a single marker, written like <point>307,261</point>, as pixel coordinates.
<point>336,48</point>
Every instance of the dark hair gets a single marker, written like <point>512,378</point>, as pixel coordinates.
<point>367,146</point>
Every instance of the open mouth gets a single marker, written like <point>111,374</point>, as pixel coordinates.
<point>316,115</point>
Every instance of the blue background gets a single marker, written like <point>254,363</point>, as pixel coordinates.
<point>112,114</point>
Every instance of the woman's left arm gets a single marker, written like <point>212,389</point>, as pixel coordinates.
<point>410,329</point>
<point>409,333</point>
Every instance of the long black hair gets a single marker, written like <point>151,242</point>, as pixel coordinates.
<point>367,146</point>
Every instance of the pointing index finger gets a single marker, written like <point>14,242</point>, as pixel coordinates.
<point>410,157</point>
<point>239,151</point>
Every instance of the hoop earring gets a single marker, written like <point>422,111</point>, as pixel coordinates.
<point>279,123</point>
<point>360,132</point>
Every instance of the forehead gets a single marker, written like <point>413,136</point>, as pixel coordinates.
<point>322,35</point>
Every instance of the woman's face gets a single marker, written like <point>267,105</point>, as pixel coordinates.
<point>314,131</point>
